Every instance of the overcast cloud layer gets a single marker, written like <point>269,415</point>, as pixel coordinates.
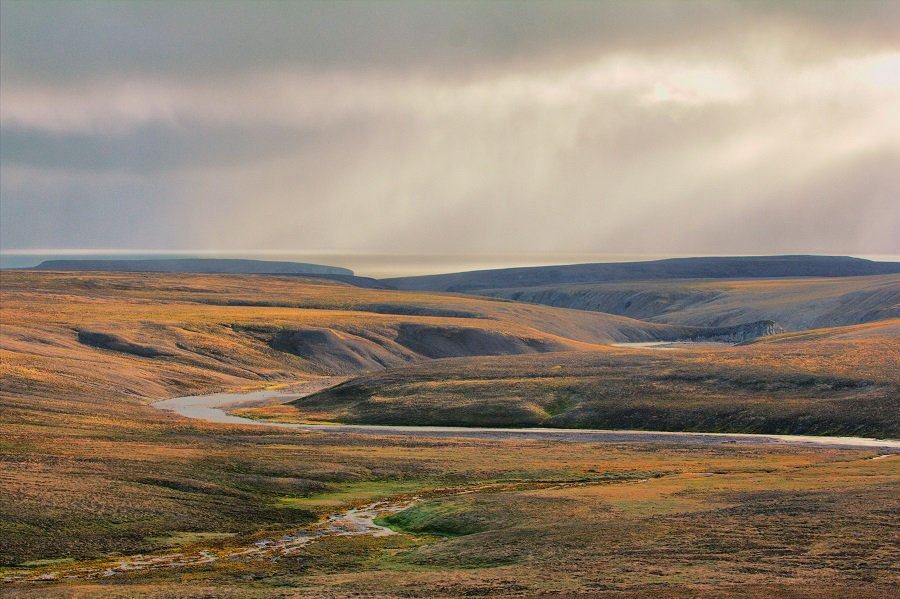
<point>626,127</point>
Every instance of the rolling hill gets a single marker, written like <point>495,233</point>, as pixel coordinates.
<point>839,381</point>
<point>154,335</point>
<point>145,336</point>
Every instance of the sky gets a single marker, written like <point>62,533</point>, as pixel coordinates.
<point>435,128</point>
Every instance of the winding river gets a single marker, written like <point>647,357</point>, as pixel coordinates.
<point>212,408</point>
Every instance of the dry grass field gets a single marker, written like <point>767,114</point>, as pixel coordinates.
<point>91,473</point>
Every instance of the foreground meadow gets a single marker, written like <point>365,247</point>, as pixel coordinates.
<point>91,475</point>
<point>491,518</point>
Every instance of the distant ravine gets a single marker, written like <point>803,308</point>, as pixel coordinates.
<point>211,408</point>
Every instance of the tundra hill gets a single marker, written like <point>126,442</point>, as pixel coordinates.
<point>840,381</point>
<point>735,267</point>
<point>154,335</point>
<point>90,472</point>
<point>794,304</point>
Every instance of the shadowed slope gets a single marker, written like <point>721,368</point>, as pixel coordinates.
<point>794,304</point>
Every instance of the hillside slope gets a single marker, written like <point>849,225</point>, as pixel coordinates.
<point>794,304</point>
<point>734,267</point>
<point>155,335</point>
<point>843,381</point>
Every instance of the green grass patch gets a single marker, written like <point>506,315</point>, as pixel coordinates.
<point>561,405</point>
<point>346,493</point>
<point>448,517</point>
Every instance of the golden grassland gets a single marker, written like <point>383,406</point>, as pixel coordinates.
<point>151,335</point>
<point>90,472</point>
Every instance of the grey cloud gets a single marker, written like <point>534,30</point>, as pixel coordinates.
<point>851,204</point>
<point>155,148</point>
<point>57,40</point>
<point>90,213</point>
<point>487,127</point>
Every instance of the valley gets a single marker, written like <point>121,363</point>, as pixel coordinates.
<point>440,299</point>
<point>473,407</point>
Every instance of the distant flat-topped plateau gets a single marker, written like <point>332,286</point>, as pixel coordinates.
<point>197,265</point>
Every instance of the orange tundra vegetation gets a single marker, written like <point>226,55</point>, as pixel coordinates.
<point>90,472</point>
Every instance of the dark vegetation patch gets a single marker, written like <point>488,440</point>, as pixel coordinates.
<point>185,485</point>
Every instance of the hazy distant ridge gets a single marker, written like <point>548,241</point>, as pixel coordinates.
<point>197,265</point>
<point>675,268</point>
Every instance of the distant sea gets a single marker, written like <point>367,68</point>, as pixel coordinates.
<point>378,265</point>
